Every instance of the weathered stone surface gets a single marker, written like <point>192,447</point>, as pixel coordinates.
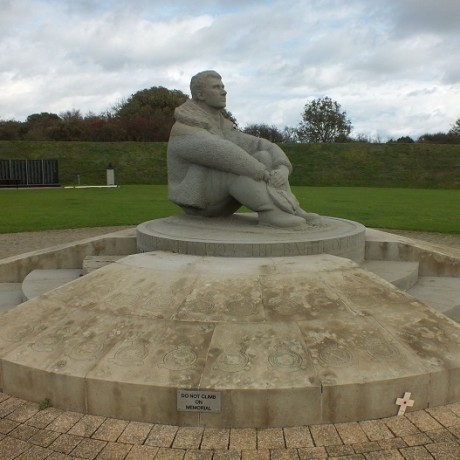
<point>285,340</point>
<point>38,282</point>
<point>69,255</point>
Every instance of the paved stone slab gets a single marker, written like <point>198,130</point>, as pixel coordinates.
<point>270,438</point>
<point>214,438</point>
<point>325,435</point>
<point>38,281</point>
<point>64,422</point>
<point>139,452</point>
<point>243,438</point>
<point>23,432</point>
<point>441,293</point>
<point>135,433</point>
<point>298,436</point>
<point>188,438</point>
<point>351,433</point>
<point>403,275</point>
<point>88,448</point>
<point>65,443</point>
<point>110,430</point>
<point>10,295</point>
<point>91,263</point>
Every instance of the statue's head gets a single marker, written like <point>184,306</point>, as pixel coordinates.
<point>200,81</point>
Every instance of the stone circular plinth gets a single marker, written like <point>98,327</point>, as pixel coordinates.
<point>242,236</point>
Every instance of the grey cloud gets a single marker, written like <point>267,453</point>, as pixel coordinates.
<point>421,92</point>
<point>427,16</point>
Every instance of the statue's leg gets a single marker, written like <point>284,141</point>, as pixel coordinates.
<point>227,192</point>
<point>224,208</point>
<point>254,195</point>
<point>311,218</point>
<point>217,201</point>
<point>265,158</point>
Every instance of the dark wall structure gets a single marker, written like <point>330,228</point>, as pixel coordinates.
<point>29,173</point>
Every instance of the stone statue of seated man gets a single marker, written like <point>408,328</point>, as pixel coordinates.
<point>214,169</point>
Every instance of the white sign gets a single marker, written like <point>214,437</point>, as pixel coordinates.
<point>198,401</point>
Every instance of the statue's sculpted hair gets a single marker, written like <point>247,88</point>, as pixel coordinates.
<point>199,80</point>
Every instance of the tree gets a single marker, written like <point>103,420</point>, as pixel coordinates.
<point>362,138</point>
<point>11,130</point>
<point>401,140</point>
<point>148,102</point>
<point>455,130</point>
<point>323,121</point>
<point>148,115</point>
<point>70,127</point>
<point>439,138</point>
<point>290,135</point>
<point>40,125</point>
<point>271,133</point>
<point>105,127</point>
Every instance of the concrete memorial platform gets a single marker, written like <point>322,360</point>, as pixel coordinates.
<point>188,339</point>
<point>241,235</point>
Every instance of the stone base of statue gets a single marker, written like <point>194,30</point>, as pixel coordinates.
<point>232,325</point>
<point>242,236</point>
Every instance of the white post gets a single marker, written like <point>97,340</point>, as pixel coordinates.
<point>110,175</point>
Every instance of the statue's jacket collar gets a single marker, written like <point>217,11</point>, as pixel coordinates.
<point>191,114</point>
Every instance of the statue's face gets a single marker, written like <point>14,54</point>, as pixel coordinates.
<point>213,93</point>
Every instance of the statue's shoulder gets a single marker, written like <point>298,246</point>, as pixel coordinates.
<point>228,125</point>
<point>191,114</point>
<point>182,129</point>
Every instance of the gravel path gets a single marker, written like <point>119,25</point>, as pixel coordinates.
<point>18,243</point>
<point>12,244</point>
<point>445,239</point>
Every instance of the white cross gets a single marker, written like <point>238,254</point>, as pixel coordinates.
<point>404,403</point>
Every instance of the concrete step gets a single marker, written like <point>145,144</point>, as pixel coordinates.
<point>91,263</point>
<point>38,282</point>
<point>403,275</point>
<point>440,293</point>
<point>10,296</point>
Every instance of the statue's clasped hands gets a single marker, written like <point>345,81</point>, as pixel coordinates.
<point>275,178</point>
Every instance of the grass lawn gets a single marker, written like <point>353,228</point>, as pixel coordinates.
<point>400,208</point>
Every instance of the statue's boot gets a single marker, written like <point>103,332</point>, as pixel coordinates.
<point>310,217</point>
<point>255,196</point>
<point>278,218</point>
<point>287,202</point>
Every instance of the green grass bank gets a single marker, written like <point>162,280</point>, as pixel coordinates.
<point>354,164</point>
<point>59,208</point>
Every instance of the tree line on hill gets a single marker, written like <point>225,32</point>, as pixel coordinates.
<point>148,116</point>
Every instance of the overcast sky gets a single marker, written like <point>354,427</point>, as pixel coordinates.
<point>393,65</point>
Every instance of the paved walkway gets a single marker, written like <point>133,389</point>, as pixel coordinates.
<point>445,239</point>
<point>12,244</point>
<point>26,433</point>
